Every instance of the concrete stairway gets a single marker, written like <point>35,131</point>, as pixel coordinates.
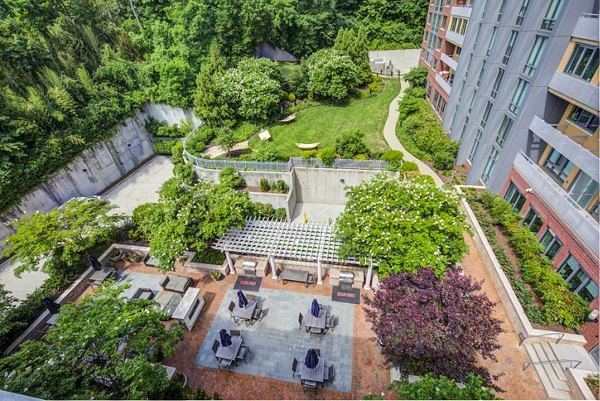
<point>552,374</point>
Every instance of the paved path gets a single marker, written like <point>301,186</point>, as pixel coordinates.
<point>216,151</point>
<point>389,133</point>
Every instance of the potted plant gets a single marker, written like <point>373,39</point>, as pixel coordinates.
<point>216,275</point>
<point>116,255</point>
<point>134,257</point>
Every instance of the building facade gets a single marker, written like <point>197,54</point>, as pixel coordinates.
<point>523,103</point>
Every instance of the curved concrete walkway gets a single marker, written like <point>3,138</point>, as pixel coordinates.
<point>389,133</point>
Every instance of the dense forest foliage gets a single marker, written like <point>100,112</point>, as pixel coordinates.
<point>70,70</point>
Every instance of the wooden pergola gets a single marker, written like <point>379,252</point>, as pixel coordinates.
<point>310,242</point>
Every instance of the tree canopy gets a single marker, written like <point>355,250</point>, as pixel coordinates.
<point>105,347</point>
<point>332,74</point>
<point>403,225</point>
<point>55,241</point>
<point>432,325</point>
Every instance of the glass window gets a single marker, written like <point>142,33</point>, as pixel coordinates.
<point>509,47</point>
<point>551,14</point>
<point>583,62</point>
<point>518,96</point>
<point>504,131</point>
<point>533,220</point>
<point>595,210</point>
<point>477,35</point>
<point>522,12</point>
<point>514,197</point>
<point>589,291</point>
<point>491,163</point>
<point>481,72</point>
<point>501,11</point>
<point>462,133</point>
<point>429,18</point>
<point>558,166</point>
<point>551,243</point>
<point>472,101</point>
<point>497,83</point>
<point>583,189</point>
<point>579,281</point>
<point>475,145</point>
<point>486,114</point>
<point>569,266</point>
<point>491,43</point>
<point>444,22</point>
<point>435,61</point>
<point>584,119</point>
<point>535,55</point>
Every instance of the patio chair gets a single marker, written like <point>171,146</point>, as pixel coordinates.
<point>242,353</point>
<point>231,307</point>
<point>250,297</point>
<point>300,320</point>
<point>215,347</point>
<point>309,385</point>
<point>317,351</point>
<point>257,314</point>
<point>316,330</point>
<point>311,280</point>
<point>330,322</point>
<point>295,368</point>
<point>224,364</point>
<point>236,333</point>
<point>328,373</point>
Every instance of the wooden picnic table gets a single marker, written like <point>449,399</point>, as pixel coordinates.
<point>230,353</point>
<point>315,374</point>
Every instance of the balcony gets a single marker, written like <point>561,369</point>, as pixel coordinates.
<point>449,61</point>
<point>582,224</point>
<point>582,157</point>
<point>587,27</point>
<point>461,11</point>
<point>573,89</point>
<point>455,38</point>
<point>445,85</point>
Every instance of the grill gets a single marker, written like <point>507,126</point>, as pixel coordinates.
<point>249,267</point>
<point>346,279</point>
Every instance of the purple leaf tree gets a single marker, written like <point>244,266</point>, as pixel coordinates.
<point>431,325</point>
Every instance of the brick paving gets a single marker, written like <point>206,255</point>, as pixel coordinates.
<point>517,384</point>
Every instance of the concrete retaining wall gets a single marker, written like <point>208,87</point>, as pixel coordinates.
<point>172,115</point>
<point>511,303</point>
<point>98,167</point>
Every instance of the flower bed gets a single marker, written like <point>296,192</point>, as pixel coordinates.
<point>542,292</point>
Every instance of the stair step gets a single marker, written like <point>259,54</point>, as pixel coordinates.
<point>552,370</point>
<point>558,367</point>
<point>574,352</point>
<point>555,388</point>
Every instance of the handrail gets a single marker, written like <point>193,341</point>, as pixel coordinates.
<point>560,190</point>
<point>522,337</point>
<point>589,15</point>
<point>576,361</point>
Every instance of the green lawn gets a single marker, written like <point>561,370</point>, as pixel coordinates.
<point>287,69</point>
<point>324,123</point>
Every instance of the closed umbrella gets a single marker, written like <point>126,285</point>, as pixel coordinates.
<point>225,338</point>
<point>314,308</point>
<point>95,263</point>
<point>242,300</point>
<point>52,306</point>
<point>311,359</point>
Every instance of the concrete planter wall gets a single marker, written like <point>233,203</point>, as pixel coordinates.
<point>513,307</point>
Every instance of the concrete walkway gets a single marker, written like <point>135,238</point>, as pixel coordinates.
<point>216,151</point>
<point>389,133</point>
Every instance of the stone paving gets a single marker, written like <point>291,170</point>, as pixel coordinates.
<point>277,339</point>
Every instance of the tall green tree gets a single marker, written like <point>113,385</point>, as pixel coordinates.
<point>353,42</point>
<point>332,74</point>
<point>105,347</point>
<point>54,242</point>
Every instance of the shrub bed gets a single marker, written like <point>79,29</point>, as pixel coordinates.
<point>546,298</point>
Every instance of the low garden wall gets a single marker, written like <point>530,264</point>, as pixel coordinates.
<point>277,200</point>
<point>513,307</point>
<point>577,385</point>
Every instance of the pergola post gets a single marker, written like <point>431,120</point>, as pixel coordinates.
<point>367,286</point>
<point>319,272</point>
<point>230,262</point>
<point>273,267</point>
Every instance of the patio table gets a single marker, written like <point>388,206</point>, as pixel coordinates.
<point>315,374</point>
<point>230,353</point>
<point>244,313</point>
<point>313,321</point>
<point>102,275</point>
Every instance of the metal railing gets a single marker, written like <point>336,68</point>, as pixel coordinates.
<point>575,361</point>
<point>244,165</point>
<point>522,337</point>
<point>589,15</point>
<point>560,190</point>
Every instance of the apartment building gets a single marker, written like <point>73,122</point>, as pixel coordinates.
<point>523,101</point>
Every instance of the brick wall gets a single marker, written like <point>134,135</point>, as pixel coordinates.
<point>570,245</point>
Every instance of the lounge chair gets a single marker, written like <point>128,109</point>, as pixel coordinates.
<point>177,284</point>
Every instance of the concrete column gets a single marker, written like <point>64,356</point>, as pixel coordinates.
<point>230,263</point>
<point>319,272</point>
<point>273,267</point>
<point>367,286</point>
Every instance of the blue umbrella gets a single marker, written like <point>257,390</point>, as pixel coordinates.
<point>242,300</point>
<point>225,338</point>
<point>95,263</point>
<point>311,359</point>
<point>314,308</point>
